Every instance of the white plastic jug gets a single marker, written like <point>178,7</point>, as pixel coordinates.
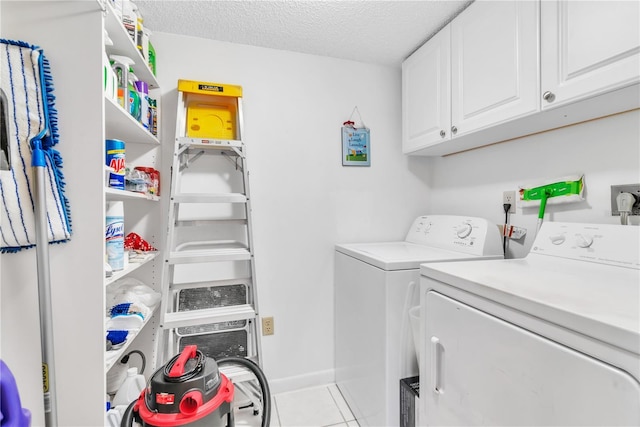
<point>112,418</point>
<point>130,389</point>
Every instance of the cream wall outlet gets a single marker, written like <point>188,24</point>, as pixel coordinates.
<point>267,326</point>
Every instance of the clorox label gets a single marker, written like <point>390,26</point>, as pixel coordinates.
<point>211,88</point>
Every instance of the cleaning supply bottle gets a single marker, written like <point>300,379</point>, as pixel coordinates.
<point>146,35</point>
<point>114,235</point>
<point>126,84</point>
<point>129,18</point>
<point>110,80</point>
<point>152,58</point>
<point>130,389</point>
<point>143,93</point>
<point>139,29</point>
<point>120,65</point>
<point>115,159</point>
<point>134,97</point>
<point>153,116</point>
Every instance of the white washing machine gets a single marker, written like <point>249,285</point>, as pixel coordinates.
<point>375,286</point>
<point>550,339</point>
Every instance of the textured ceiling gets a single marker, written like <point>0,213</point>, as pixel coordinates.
<point>373,31</point>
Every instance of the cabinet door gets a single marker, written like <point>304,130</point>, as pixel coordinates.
<point>588,47</point>
<point>485,371</point>
<point>494,64</point>
<point>426,94</point>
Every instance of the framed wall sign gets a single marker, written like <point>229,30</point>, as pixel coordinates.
<point>356,146</point>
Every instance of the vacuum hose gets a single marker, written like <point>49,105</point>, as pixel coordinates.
<point>262,380</point>
<point>128,416</point>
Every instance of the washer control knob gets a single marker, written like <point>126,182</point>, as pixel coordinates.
<point>583,241</point>
<point>463,230</point>
<point>558,239</point>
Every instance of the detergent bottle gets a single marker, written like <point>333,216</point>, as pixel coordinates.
<point>143,93</point>
<point>152,58</point>
<point>139,29</point>
<point>129,18</point>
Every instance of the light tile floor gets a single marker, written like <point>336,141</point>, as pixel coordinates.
<point>311,407</point>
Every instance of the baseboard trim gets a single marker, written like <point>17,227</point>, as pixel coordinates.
<point>313,379</point>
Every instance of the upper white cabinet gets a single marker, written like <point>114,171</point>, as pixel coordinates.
<point>479,70</point>
<point>494,64</point>
<point>518,68</point>
<point>426,97</point>
<point>588,48</point>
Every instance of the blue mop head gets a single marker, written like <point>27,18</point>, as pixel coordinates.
<point>31,119</point>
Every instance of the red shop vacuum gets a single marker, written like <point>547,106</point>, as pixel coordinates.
<point>191,391</point>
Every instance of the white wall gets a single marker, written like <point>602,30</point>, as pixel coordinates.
<point>76,266</point>
<point>606,151</point>
<point>303,199</point>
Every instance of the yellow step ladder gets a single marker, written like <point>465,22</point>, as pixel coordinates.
<point>208,281</point>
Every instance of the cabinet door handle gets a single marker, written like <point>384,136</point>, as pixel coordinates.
<point>454,130</point>
<point>436,365</point>
<point>548,96</point>
<point>442,134</point>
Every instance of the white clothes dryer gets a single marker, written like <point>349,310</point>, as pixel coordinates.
<point>550,339</point>
<point>375,286</point>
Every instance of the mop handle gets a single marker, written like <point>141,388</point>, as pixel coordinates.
<point>38,164</point>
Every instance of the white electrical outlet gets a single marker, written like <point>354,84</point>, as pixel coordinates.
<point>509,197</point>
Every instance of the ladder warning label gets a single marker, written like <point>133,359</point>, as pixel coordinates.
<point>211,88</point>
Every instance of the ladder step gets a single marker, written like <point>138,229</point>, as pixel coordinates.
<point>237,373</point>
<point>209,255</point>
<point>209,198</point>
<point>210,221</point>
<point>175,287</point>
<point>209,315</point>
<point>210,143</point>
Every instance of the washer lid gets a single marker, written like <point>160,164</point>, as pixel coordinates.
<point>392,256</point>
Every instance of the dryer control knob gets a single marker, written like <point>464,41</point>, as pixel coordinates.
<point>583,241</point>
<point>558,239</point>
<point>463,230</point>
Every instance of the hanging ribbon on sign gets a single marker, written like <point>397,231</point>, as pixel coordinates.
<point>356,149</point>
